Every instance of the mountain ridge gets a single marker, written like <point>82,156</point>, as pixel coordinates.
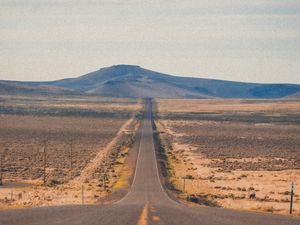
<point>137,82</point>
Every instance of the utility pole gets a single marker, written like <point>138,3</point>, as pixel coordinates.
<point>292,195</point>
<point>2,155</point>
<point>71,158</point>
<point>1,163</point>
<point>186,177</point>
<point>82,194</point>
<point>104,176</point>
<point>45,162</point>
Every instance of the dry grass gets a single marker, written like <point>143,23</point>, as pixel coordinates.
<point>21,137</point>
<point>232,157</point>
<point>100,130</point>
<point>234,105</point>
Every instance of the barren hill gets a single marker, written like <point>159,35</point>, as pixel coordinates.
<point>134,81</point>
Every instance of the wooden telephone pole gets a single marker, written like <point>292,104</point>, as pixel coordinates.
<point>45,161</point>
<point>1,163</point>
<point>292,195</point>
<point>104,177</point>
<point>2,154</point>
<point>71,158</point>
<point>82,194</point>
<point>186,177</point>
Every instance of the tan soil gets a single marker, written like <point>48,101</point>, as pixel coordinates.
<point>219,155</point>
<point>94,140</point>
<point>35,194</point>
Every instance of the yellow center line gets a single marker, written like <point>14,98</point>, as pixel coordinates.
<point>143,220</point>
<point>155,218</point>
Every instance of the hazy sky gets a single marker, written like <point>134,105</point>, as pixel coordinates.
<point>244,40</point>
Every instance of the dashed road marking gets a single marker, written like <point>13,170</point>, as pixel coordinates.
<point>143,220</point>
<point>155,218</point>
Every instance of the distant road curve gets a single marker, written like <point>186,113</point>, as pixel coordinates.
<point>146,203</point>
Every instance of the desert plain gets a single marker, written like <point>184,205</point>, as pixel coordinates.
<point>77,145</point>
<point>239,154</point>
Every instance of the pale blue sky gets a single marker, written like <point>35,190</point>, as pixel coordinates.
<point>243,40</point>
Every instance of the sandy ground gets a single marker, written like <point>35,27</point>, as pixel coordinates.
<point>220,177</point>
<point>235,105</point>
<point>72,130</point>
<point>88,188</point>
<point>232,189</point>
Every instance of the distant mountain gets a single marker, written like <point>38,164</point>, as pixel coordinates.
<point>23,88</point>
<point>294,96</point>
<point>137,82</point>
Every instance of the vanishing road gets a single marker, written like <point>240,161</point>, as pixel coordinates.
<point>146,203</point>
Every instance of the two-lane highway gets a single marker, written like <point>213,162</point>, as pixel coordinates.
<point>146,203</point>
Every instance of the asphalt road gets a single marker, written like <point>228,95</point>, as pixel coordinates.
<point>146,203</point>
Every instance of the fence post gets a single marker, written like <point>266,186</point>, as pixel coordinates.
<point>45,162</point>
<point>292,195</point>
<point>82,194</point>
<point>1,156</point>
